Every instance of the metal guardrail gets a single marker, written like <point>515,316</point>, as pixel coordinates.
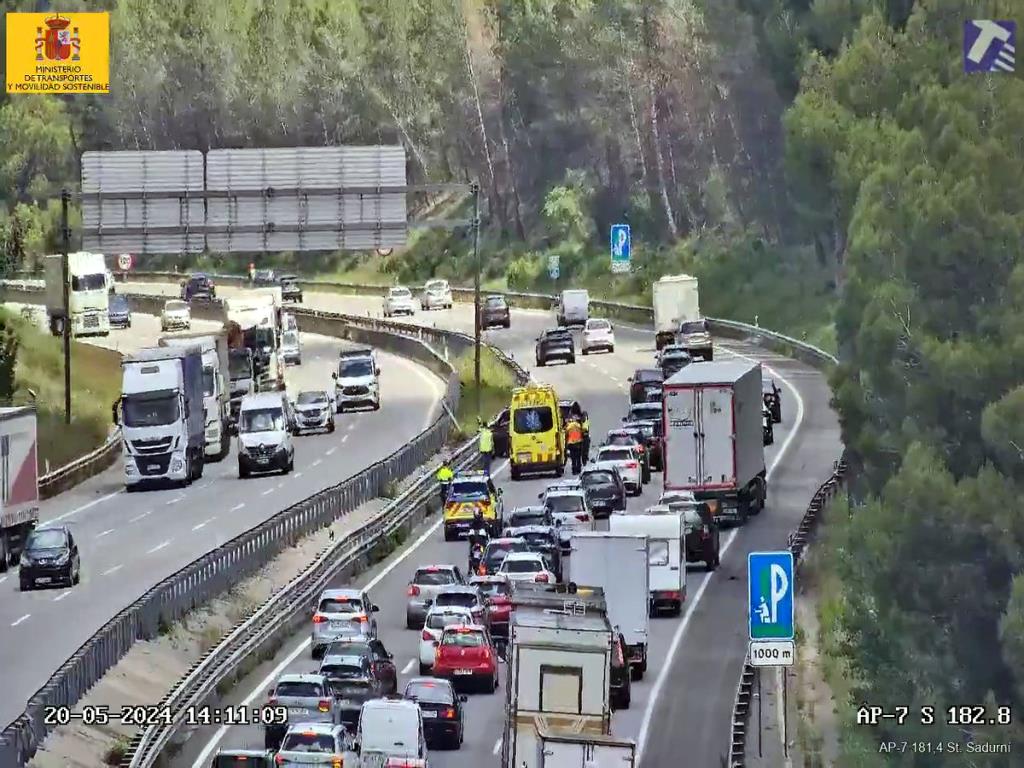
<point>214,572</point>
<point>82,468</point>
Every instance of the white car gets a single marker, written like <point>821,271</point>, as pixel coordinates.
<point>439,617</point>
<point>437,294</point>
<point>526,566</point>
<point>567,503</point>
<point>598,334</point>
<point>176,315</point>
<point>627,461</point>
<point>399,301</point>
<point>291,348</point>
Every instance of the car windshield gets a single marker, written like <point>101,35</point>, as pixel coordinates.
<point>558,336</point>
<point>532,420</point>
<point>567,503</point>
<point>261,420</point>
<point>493,588</point>
<point>537,539</point>
<point>175,306</point>
<point>46,540</point>
<point>463,638</point>
<point>464,599</point>
<point>532,517</point>
<point>239,366</point>
<point>521,566</point>
<point>496,551</point>
<point>299,689</point>
<point>471,491</point>
<point>446,619</point>
<point>614,454</point>
<point>598,479</point>
<point>430,693</point>
<point>621,439</point>
<point>436,285</point>
<point>289,339</point>
<point>598,325</point>
<point>357,368</point>
<point>340,605</point>
<point>311,398</point>
<point>495,302</point>
<point>92,282</point>
<point>345,670</point>
<point>647,376</point>
<point>432,577</point>
<point>152,409</point>
<point>694,326</point>
<point>119,303</point>
<point>645,428</point>
<point>308,741</point>
<point>400,293</point>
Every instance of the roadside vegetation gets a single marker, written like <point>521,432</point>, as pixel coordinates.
<point>495,391</point>
<point>39,368</point>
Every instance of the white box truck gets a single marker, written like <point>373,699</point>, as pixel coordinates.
<point>19,487</point>
<point>88,294</point>
<point>559,667</point>
<point>257,317</point>
<point>618,564</point>
<point>564,749</point>
<point>573,307</point>
<point>666,556</point>
<point>217,397</point>
<point>675,299</point>
<point>714,437</point>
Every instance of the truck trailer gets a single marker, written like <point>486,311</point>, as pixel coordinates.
<point>666,561</point>
<point>257,317</point>
<point>714,437</point>
<point>162,415</point>
<point>88,294</point>
<point>19,488</point>
<point>675,299</point>
<point>564,749</point>
<point>214,346</point>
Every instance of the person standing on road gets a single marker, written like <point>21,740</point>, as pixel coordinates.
<point>585,426</point>
<point>574,442</point>
<point>444,476</point>
<point>486,445</point>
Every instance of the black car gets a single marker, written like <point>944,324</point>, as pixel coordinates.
<point>555,344</point>
<point>772,398</point>
<point>702,532</point>
<point>673,362</point>
<point>198,286</point>
<point>544,540</point>
<point>500,433</point>
<point>645,385</point>
<point>535,515</point>
<point>443,716</point>
<point>383,663</point>
<point>50,557</point>
<point>264,277</point>
<point>290,289</point>
<point>768,425</point>
<point>495,552</point>
<point>652,443</point>
<point>495,312</point>
<point>620,678</point>
<point>605,491</point>
<point>355,674</point>
<point>119,312</point>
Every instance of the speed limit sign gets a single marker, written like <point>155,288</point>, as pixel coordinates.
<point>124,262</point>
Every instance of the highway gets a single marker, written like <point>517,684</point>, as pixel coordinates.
<point>131,542</point>
<point>682,706</point>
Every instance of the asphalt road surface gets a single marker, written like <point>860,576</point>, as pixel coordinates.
<point>131,542</point>
<point>683,705</point>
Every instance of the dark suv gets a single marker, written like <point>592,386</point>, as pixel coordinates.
<point>652,444</point>
<point>645,385</point>
<point>495,312</point>
<point>604,489</point>
<point>555,344</point>
<point>673,362</point>
<point>290,289</point>
<point>198,286</point>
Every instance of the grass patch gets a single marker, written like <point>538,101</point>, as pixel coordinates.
<point>495,391</point>
<point>116,752</point>
<point>96,383</point>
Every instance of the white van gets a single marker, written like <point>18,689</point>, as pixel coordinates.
<point>573,307</point>
<point>265,428</point>
<point>390,728</point>
<point>666,554</point>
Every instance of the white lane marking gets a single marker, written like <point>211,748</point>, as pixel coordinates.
<point>677,638</point>
<point>330,450</point>
<point>105,533</point>
<point>497,747</point>
<point>268,491</point>
<point>18,621</point>
<point>204,523</point>
<point>297,475</point>
<point>84,507</point>
<point>350,427</point>
<point>139,517</point>
<point>61,596</point>
<point>408,667</point>
<point>204,756</point>
<point>175,501</point>
<point>316,463</point>
<point>237,507</point>
<point>158,547</point>
<point>343,439</point>
<point>3,579</point>
<point>112,570</point>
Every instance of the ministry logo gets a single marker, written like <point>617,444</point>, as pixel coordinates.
<point>990,46</point>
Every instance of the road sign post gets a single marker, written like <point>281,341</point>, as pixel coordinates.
<point>553,266</point>
<point>770,609</point>
<point>622,248</point>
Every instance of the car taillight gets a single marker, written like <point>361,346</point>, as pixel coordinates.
<point>631,465</point>
<point>324,705</point>
<point>362,619</point>
<point>279,759</point>
<point>337,762</point>
<point>583,517</point>
<point>318,619</point>
<point>427,636</point>
<point>271,702</point>
<point>481,570</point>
<point>449,714</point>
<point>413,590</point>
<point>541,577</point>
<point>619,658</point>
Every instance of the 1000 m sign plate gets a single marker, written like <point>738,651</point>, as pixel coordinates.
<point>772,653</point>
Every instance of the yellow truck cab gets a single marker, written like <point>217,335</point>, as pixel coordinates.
<point>535,431</point>
<point>470,491</point>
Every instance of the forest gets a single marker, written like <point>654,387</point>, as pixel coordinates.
<point>823,165</point>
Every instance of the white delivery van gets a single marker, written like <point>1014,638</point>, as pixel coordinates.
<point>666,556</point>
<point>573,307</point>
<point>676,300</point>
<point>390,728</point>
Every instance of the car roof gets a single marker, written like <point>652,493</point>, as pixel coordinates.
<point>488,579</point>
<point>435,608</point>
<point>472,627</point>
<point>529,508</point>
<point>436,567</point>
<point>438,681</point>
<point>300,677</point>
<point>566,491</point>
<point>519,530</point>
<point>390,703</point>
<point>457,588</point>
<point>524,556</point>
<point>341,592</point>
<point>327,729</point>
<point>340,657</point>
<point>506,540</point>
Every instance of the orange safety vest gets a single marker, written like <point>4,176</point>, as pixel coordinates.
<point>573,433</point>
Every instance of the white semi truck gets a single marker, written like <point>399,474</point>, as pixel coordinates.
<point>217,396</point>
<point>714,436</point>
<point>259,320</point>
<point>88,294</point>
<point>19,488</point>
<point>676,299</point>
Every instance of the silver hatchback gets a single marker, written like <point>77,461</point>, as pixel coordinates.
<point>341,614</point>
<point>307,699</point>
<point>307,744</point>
<point>423,588</point>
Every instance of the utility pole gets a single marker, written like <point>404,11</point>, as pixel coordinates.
<point>65,231</point>
<point>475,187</point>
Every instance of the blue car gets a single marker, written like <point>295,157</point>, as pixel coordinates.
<point>119,312</point>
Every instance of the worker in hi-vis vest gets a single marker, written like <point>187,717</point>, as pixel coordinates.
<point>486,445</point>
<point>574,442</point>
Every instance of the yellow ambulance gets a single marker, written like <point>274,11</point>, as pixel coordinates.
<point>536,434</point>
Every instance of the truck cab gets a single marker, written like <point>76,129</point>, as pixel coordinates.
<point>215,393</point>
<point>88,294</point>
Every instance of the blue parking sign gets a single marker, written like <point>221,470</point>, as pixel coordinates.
<point>621,247</point>
<point>770,595</point>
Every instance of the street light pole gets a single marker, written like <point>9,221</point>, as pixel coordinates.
<point>476,292</point>
<point>65,230</point>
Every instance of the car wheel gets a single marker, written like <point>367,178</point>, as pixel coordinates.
<point>78,576</point>
<point>424,670</point>
<point>330,427</point>
<point>584,351</point>
<point>611,350</point>
<point>572,360</point>
<point>23,585</point>
<point>540,363</point>
<point>409,623</point>
<point>242,472</point>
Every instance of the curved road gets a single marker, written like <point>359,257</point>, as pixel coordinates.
<point>131,542</point>
<point>683,705</point>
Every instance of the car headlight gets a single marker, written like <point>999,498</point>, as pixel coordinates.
<point>63,559</point>
<point>25,562</point>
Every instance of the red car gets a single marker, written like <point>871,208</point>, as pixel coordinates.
<point>467,654</point>
<point>497,597</point>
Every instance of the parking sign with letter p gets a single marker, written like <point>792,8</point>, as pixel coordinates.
<point>770,595</point>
